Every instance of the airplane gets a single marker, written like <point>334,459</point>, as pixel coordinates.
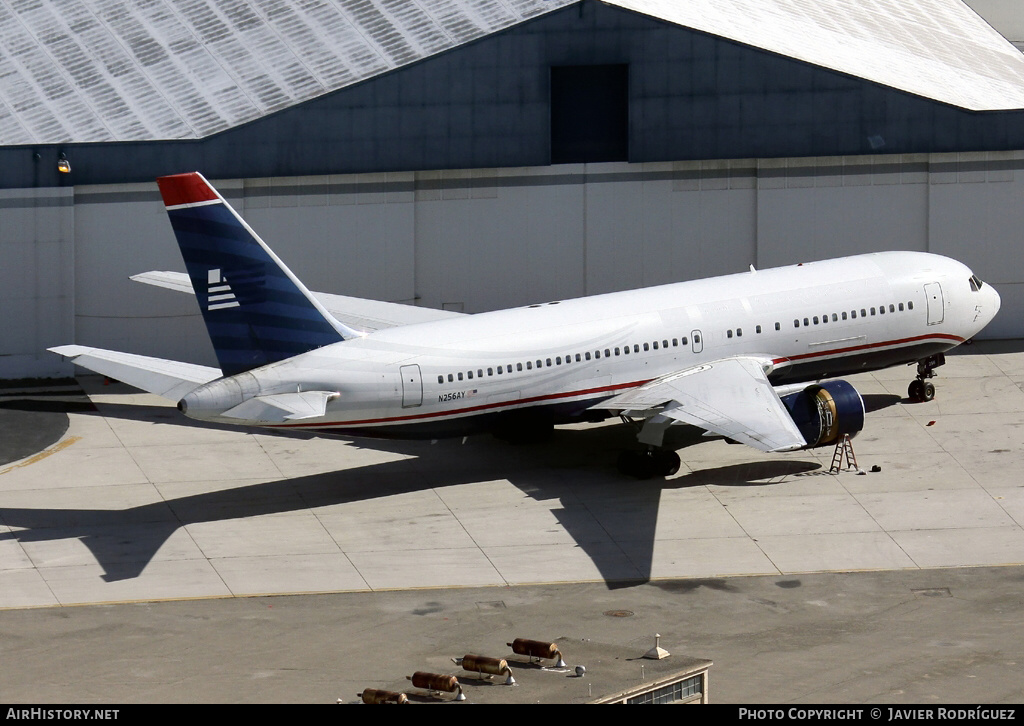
<point>752,357</point>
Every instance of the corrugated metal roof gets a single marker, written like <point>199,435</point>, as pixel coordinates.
<point>940,49</point>
<point>124,70</point>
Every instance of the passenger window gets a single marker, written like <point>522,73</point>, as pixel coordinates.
<point>758,330</point>
<point>836,317</point>
<point>910,305</point>
<point>587,355</point>
<point>844,315</point>
<point>519,366</point>
<point>815,319</point>
<point>684,340</point>
<point>901,307</point>
<point>470,375</point>
<point>728,333</point>
<point>739,332</point>
<point>539,364</point>
<point>529,366</point>
<point>655,345</point>
<point>490,371</point>
<point>460,376</point>
<point>548,360</point>
<point>440,379</point>
<point>892,308</point>
<point>647,347</point>
<point>636,347</point>
<point>450,378</point>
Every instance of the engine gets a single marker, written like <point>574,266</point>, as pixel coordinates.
<point>825,412</point>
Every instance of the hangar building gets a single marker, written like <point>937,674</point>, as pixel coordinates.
<point>479,154</point>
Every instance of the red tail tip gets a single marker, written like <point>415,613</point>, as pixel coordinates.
<point>185,189</point>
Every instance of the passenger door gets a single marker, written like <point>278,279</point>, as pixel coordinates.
<point>936,307</point>
<point>412,386</point>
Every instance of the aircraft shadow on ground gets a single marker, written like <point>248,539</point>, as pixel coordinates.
<point>612,518</point>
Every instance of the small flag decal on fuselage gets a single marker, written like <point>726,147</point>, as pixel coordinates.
<point>218,291</point>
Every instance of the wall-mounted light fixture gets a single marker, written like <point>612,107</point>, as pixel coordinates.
<point>63,165</point>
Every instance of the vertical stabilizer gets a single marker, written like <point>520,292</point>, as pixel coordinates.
<point>256,311</point>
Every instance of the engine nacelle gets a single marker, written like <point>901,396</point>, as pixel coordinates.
<point>825,412</point>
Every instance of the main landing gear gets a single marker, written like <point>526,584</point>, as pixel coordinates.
<point>649,463</point>
<point>921,389</point>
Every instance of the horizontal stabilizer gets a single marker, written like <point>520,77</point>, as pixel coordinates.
<point>359,313</point>
<point>282,407</point>
<point>167,378</point>
<point>177,281</point>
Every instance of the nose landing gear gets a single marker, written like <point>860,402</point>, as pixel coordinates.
<point>922,390</point>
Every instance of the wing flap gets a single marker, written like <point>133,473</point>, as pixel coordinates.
<point>168,378</point>
<point>730,397</point>
<point>355,312</point>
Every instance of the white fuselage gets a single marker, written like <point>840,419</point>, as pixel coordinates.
<point>812,321</point>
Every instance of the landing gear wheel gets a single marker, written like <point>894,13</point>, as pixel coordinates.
<point>921,391</point>
<point>648,464</point>
<point>670,463</point>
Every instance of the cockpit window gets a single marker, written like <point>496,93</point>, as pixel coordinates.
<point>976,283</point>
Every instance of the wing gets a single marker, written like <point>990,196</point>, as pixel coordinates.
<point>730,397</point>
<point>367,315</point>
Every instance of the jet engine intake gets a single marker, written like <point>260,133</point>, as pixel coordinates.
<point>825,412</point>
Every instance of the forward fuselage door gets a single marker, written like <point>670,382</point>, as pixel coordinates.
<point>696,341</point>
<point>412,386</point>
<point>936,308</point>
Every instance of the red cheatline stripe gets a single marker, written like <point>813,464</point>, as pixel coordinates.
<point>602,389</point>
<point>867,346</point>
<point>470,409</point>
<point>185,189</point>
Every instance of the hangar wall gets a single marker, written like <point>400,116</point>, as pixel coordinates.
<point>484,239</point>
<point>37,278</point>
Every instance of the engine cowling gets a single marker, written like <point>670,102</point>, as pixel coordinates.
<point>825,412</point>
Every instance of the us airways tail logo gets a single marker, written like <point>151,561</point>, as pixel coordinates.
<point>219,294</point>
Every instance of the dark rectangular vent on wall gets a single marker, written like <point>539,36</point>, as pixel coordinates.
<point>589,113</point>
